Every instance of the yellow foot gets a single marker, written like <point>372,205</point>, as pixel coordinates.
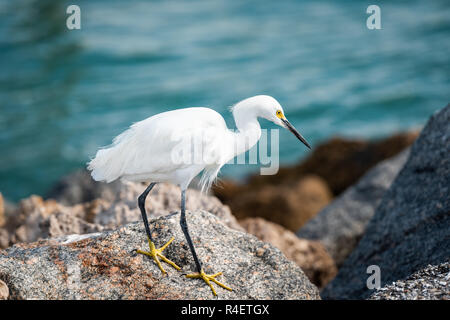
<point>156,253</point>
<point>207,278</point>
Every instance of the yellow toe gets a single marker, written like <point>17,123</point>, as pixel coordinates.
<point>157,253</point>
<point>208,278</point>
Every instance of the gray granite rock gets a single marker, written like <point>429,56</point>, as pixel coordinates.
<point>105,266</point>
<point>411,226</point>
<point>340,225</point>
<point>430,283</point>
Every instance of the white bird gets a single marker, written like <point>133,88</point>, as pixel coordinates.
<point>175,146</point>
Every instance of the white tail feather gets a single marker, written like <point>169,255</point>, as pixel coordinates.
<point>209,176</point>
<point>106,165</point>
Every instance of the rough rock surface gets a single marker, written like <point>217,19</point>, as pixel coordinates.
<point>430,283</point>
<point>36,218</point>
<point>340,226</point>
<point>290,206</point>
<point>411,226</point>
<point>104,265</point>
<point>310,256</point>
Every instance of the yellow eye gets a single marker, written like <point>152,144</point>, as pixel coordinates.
<point>279,114</point>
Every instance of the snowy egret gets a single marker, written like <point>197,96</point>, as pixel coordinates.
<point>149,151</point>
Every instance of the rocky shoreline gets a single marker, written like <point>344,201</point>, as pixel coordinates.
<point>295,194</point>
<point>316,225</point>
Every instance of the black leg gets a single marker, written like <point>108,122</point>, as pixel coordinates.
<point>141,204</point>
<point>184,227</point>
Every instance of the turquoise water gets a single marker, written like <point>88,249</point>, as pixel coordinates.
<point>65,93</point>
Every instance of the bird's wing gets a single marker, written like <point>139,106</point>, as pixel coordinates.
<point>162,144</point>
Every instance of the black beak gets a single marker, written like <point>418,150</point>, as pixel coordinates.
<point>295,132</point>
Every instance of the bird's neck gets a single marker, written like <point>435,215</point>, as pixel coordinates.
<point>248,128</point>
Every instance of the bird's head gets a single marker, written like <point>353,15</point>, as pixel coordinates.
<point>268,108</point>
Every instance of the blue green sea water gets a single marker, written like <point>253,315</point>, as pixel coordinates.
<point>64,93</point>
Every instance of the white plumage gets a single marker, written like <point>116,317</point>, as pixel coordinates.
<point>177,145</point>
<point>146,150</point>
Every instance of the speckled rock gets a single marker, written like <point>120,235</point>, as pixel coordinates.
<point>311,256</point>
<point>411,227</point>
<point>105,265</point>
<point>430,283</point>
<point>341,224</point>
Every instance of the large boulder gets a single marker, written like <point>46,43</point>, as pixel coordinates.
<point>309,255</point>
<point>411,226</point>
<point>340,226</point>
<point>430,283</point>
<point>105,266</point>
